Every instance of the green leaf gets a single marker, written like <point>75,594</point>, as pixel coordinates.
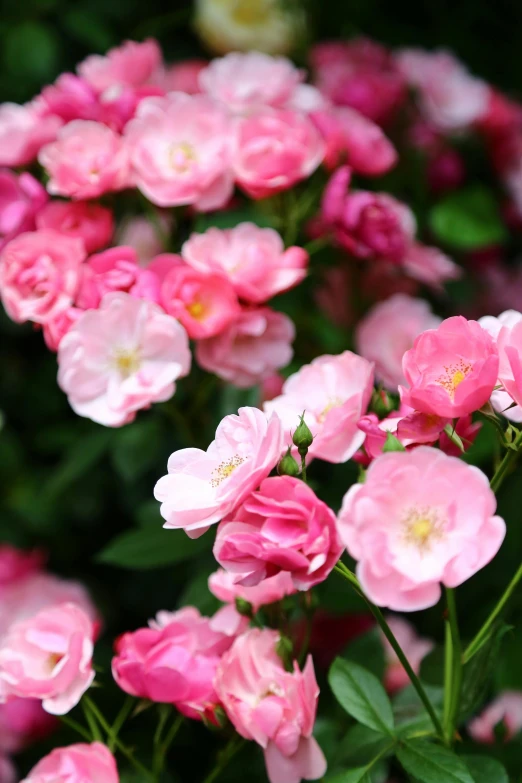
<point>468,219</point>
<point>409,712</point>
<point>360,775</point>
<point>430,763</point>
<point>368,651</point>
<point>230,218</point>
<point>31,48</point>
<point>479,672</point>
<point>392,443</point>
<point>149,548</point>
<point>135,449</point>
<point>485,769</point>
<point>361,694</point>
<point>360,745</point>
<point>82,456</point>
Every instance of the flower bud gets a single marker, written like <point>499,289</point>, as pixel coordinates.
<point>244,608</point>
<point>287,465</point>
<point>302,437</point>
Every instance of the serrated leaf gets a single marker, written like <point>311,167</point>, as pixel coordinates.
<point>430,763</point>
<point>392,443</point>
<point>485,769</point>
<point>361,694</point>
<point>468,219</point>
<point>152,548</point>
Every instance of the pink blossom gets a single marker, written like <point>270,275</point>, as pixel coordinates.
<point>116,269</point>
<point>408,428</point>
<point>223,585</point>
<point>254,259</point>
<point>181,149</point>
<point>509,342</point>
<point>90,222</point>
<point>388,330</point>
<point>87,763</point>
<point>183,76</point>
<point>506,708</point>
<point>420,518</point>
<point>23,131</point>
<point>271,706</point>
<point>414,647</point>
<point>203,487</point>
<point>17,564</point>
<point>252,348</point>
<point>21,198</point>
<point>49,657</point>
<point>55,329</point>
<point>86,160</point>
<point>276,148</point>
<point>39,275</point>
<point>451,370</point>
<point>120,358</point>
<point>500,399</point>
<point>132,64</point>
<point>354,139</point>
<point>446,171</point>
<point>281,527</point>
<point>23,721</point>
<point>429,265</point>
<point>141,234</point>
<point>71,98</point>
<point>7,770</point>
<point>334,392</point>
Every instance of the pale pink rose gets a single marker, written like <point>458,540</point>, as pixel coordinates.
<point>23,721</point>
<point>90,222</point>
<point>86,763</point>
<point>204,486</point>
<point>334,392</point>
<point>183,76</point>
<point>49,657</point>
<point>23,131</point>
<point>509,342</point>
<point>173,662</point>
<point>414,647</point>
<point>71,98</point>
<point>307,99</point>
<point>120,358</point>
<point>451,370</point>
<point>254,259</point>
<point>86,160</point>
<point>17,564</point>
<point>118,104</point>
<point>506,708</point>
<point>281,527</point>
<point>116,269</point>
<point>276,148</point>
<point>248,80</point>
<point>39,275</point>
<point>223,585</point>
<point>141,234</point>
<point>55,329</point>
<point>7,770</point>
<point>131,64</point>
<point>429,265</point>
<point>272,706</point>
<point>181,149</point>
<point>252,348</point>
<point>420,518</point>
<point>388,330</point>
<point>226,622</point>
<point>500,399</point>
<point>354,139</point>
<point>450,97</point>
<point>21,199</point>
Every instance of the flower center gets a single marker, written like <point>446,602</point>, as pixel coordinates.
<point>197,310</point>
<point>53,660</point>
<point>422,527</point>
<point>453,376</point>
<point>181,156</point>
<point>251,12</point>
<point>127,362</point>
<point>333,402</point>
<point>225,469</point>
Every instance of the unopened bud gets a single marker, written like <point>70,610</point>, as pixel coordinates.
<point>285,650</point>
<point>244,608</point>
<point>381,403</point>
<point>302,437</point>
<point>287,465</point>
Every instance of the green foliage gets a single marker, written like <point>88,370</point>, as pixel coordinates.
<point>152,548</point>
<point>429,763</point>
<point>468,220</point>
<point>361,694</point>
<point>485,770</point>
<point>392,443</point>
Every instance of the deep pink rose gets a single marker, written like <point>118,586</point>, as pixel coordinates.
<point>16,564</point>
<point>21,199</point>
<point>90,222</point>
<point>71,98</point>
<point>116,269</point>
<point>23,721</point>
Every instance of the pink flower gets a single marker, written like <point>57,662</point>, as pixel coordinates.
<point>183,76</point>
<point>132,64</point>
<point>253,259</point>
<point>500,399</point>
<point>245,81</point>
<point>509,342</point>
<point>419,519</point>
<point>173,662</point>
<point>252,348</point>
<point>276,148</point>
<point>21,198</point>
<point>49,657</point>
<point>414,647</point>
<point>116,269</point>
<point>71,98</point>
<point>410,428</point>
<point>23,721</point>
<point>203,487</point>
<point>451,370</point>
<point>120,358</point>
<point>281,527</point>
<point>7,770</point>
<point>141,234</point>
<point>506,708</point>
<point>354,139</point>
<point>55,329</point>
<point>222,584</point>
<point>39,275</point>
<point>16,564</point>
<point>90,222</point>
<point>87,763</point>
<point>271,706</point>
<point>23,131</point>
<point>181,149</point>
<point>334,392</point>
<point>388,331</point>
<point>429,265</point>
<point>446,171</point>
<point>272,387</point>
<point>86,160</point>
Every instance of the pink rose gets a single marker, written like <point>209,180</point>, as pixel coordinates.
<point>183,76</point>
<point>276,148</point>
<point>120,358</point>
<point>272,387</point>
<point>55,329</point>
<point>71,98</point>
<point>116,269</point>
<point>7,770</point>
<point>446,171</point>
<point>253,259</point>
<point>23,131</point>
<point>247,80</point>
<point>500,399</point>
<point>21,198</point>
<point>90,222</point>
<point>388,330</point>
<point>49,657</point>
<point>86,160</point>
<point>203,487</point>
<point>222,584</point>
<point>414,647</point>
<point>271,706</point>
<point>39,275</point>
<point>451,370</point>
<point>16,564</point>
<point>429,265</point>
<point>506,708</point>
<point>142,235</point>
<point>23,721</point>
<point>132,64</point>
<point>281,527</point>
<point>509,342</point>
<point>420,518</point>
<point>204,304</point>
<point>252,348</point>
<point>181,149</point>
<point>334,392</point>
<point>87,763</point>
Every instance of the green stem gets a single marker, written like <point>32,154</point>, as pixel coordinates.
<point>303,468</point>
<point>347,574</point>
<point>158,758</point>
<point>510,457</point>
<point>91,721</point>
<point>225,757</point>
<point>316,244</point>
<point>120,720</point>
<point>456,668</point>
<point>162,749</point>
<point>448,672</point>
<point>77,727</point>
